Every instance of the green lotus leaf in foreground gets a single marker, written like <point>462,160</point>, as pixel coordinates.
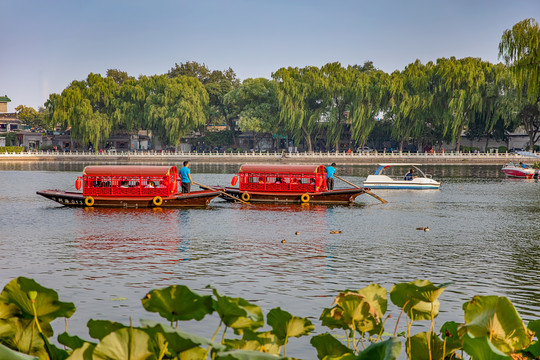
<point>8,354</point>
<point>384,350</point>
<point>98,329</point>
<point>46,302</point>
<point>496,318</point>
<point>178,302</point>
<point>481,349</point>
<point>22,335</point>
<point>246,355</point>
<point>238,313</point>
<point>259,341</point>
<point>328,345</point>
<point>178,341</point>
<point>424,343</point>
<point>360,310</point>
<point>126,343</point>
<point>284,325</point>
<point>418,298</point>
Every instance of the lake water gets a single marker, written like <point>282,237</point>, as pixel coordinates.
<point>484,237</point>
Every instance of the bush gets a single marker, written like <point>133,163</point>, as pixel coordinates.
<point>12,149</point>
<point>502,149</point>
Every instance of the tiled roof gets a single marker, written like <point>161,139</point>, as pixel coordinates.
<point>4,98</point>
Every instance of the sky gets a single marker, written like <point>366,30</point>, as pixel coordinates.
<point>44,45</point>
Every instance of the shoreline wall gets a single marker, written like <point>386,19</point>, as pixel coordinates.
<point>299,158</point>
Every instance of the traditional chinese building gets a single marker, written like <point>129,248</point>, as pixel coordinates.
<point>8,121</point>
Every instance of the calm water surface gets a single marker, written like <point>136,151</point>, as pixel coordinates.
<point>484,237</point>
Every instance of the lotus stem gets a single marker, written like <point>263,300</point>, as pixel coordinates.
<point>354,338</point>
<point>285,345</point>
<point>444,348</point>
<point>223,337</point>
<point>409,325</point>
<point>35,315</point>
<point>399,317</point>
<point>348,339</point>
<point>164,349</point>
<point>213,337</point>
<point>382,329</point>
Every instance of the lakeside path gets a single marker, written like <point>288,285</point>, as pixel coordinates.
<point>449,158</point>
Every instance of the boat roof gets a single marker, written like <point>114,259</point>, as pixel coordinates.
<point>112,170</point>
<point>272,168</point>
<point>400,164</point>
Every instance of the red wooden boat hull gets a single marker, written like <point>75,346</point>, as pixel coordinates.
<point>339,196</point>
<point>76,199</point>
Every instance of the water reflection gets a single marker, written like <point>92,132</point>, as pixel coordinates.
<point>484,238</point>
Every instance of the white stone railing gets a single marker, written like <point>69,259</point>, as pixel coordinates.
<point>267,155</point>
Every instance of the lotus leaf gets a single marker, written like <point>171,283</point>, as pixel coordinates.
<point>418,298</point>
<point>8,354</point>
<point>178,341</point>
<point>98,329</point>
<point>284,325</point>
<point>47,305</point>
<point>496,318</point>
<point>259,341</point>
<point>246,355</point>
<point>72,342</point>
<point>24,336</point>
<point>482,349</point>
<point>238,313</point>
<point>328,346</point>
<point>83,353</point>
<point>384,350</point>
<point>360,310</point>
<point>126,343</point>
<point>421,351</point>
<point>9,310</point>
<point>54,352</point>
<point>534,348</point>
<point>178,302</point>
<point>449,332</point>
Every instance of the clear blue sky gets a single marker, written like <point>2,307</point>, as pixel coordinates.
<point>44,45</point>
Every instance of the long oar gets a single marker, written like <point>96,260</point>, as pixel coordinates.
<point>366,191</point>
<point>222,193</point>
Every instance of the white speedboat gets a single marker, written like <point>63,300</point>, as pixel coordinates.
<point>413,180</point>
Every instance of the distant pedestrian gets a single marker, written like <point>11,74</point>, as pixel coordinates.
<point>330,171</point>
<point>185,177</point>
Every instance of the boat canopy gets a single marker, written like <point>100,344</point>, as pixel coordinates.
<point>387,165</point>
<point>129,181</point>
<point>282,169</point>
<point>282,178</point>
<point>111,170</point>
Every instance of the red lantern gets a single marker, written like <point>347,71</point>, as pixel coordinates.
<point>234,180</point>
<point>78,184</point>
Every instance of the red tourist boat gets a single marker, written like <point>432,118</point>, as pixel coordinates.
<point>288,184</point>
<point>130,187</point>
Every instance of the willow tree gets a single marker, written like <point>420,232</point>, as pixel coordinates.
<point>520,49</point>
<point>86,107</point>
<point>368,97</point>
<point>217,84</point>
<point>411,99</point>
<point>256,103</point>
<point>299,96</point>
<point>463,82</point>
<point>336,82</point>
<point>129,105</point>
<point>174,106</point>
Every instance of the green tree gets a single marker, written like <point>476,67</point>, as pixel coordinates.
<point>300,101</point>
<point>29,116</point>
<point>256,103</point>
<point>411,100</point>
<point>520,49</point>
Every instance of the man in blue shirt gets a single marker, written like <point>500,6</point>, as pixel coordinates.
<point>330,171</point>
<point>185,176</point>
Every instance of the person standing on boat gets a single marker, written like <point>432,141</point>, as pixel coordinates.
<point>185,177</point>
<point>330,171</point>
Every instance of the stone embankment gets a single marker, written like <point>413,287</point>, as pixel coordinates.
<point>449,158</point>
